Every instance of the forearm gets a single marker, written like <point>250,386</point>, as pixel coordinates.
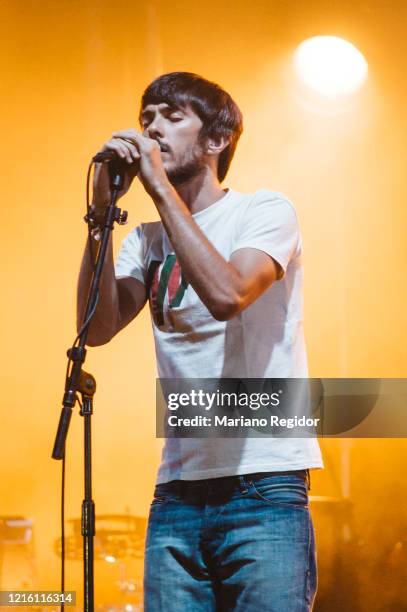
<point>216,281</point>
<point>104,323</point>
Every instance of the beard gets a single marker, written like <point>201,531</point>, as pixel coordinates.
<point>192,164</point>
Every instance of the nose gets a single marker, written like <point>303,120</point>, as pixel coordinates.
<point>155,128</point>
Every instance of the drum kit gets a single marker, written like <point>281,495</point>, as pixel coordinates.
<point>119,539</point>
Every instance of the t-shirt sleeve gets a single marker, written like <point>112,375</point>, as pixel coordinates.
<point>270,224</point>
<point>130,260</point>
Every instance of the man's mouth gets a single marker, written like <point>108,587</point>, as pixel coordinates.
<point>163,147</point>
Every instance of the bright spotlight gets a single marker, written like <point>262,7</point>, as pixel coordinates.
<point>330,65</point>
<point>110,559</point>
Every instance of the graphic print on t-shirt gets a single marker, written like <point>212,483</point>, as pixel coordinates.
<point>165,278</point>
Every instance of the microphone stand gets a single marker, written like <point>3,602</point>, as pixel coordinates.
<point>80,381</point>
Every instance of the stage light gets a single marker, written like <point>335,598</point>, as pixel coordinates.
<point>110,559</point>
<point>330,65</point>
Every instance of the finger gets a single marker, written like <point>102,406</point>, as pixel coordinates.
<point>121,148</point>
<point>100,169</point>
<point>134,137</point>
<point>131,147</point>
<point>143,144</point>
<point>131,133</point>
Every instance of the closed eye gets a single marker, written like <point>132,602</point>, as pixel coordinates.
<point>146,122</point>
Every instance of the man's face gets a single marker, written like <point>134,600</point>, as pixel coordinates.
<point>176,130</point>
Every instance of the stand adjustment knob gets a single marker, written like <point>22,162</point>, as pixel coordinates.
<point>123,217</point>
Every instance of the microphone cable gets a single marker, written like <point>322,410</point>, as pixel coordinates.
<point>85,324</point>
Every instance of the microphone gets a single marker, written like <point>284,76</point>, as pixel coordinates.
<point>104,156</point>
<point>117,166</point>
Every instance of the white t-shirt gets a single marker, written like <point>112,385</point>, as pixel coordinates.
<point>264,341</point>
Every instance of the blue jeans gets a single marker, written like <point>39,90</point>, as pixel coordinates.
<point>241,543</point>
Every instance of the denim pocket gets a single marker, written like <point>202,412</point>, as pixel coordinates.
<point>286,491</point>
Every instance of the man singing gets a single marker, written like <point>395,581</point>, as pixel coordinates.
<point>229,525</point>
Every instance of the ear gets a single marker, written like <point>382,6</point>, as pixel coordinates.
<point>215,145</point>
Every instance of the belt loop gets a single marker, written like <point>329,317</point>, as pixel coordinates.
<point>308,479</point>
<point>243,483</point>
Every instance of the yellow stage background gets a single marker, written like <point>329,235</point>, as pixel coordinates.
<point>72,73</point>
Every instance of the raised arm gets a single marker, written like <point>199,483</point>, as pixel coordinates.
<point>120,300</point>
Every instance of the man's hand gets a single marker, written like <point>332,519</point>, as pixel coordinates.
<point>147,150</point>
<point>143,156</point>
<point>101,182</point>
